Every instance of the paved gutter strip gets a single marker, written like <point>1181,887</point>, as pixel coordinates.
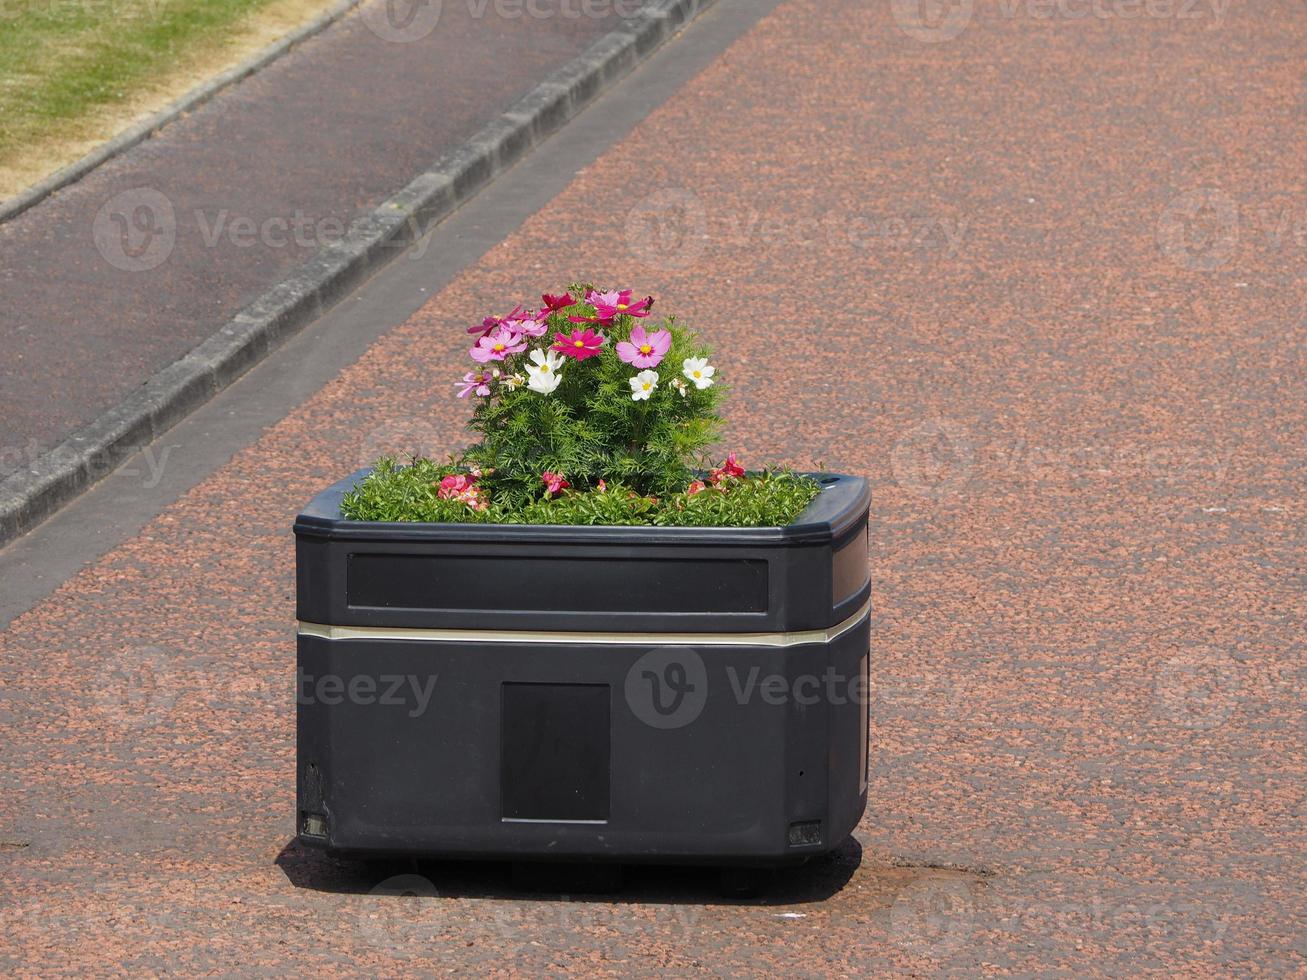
<point>192,100</point>
<point>32,494</point>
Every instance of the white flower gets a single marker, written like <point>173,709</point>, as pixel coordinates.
<point>642,385</point>
<point>679,385</point>
<point>544,372</point>
<point>698,370</point>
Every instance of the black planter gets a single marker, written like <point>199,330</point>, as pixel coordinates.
<point>634,694</point>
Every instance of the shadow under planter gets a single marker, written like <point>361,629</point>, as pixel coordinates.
<point>632,694</point>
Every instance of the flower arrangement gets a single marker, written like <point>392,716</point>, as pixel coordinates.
<point>588,412</point>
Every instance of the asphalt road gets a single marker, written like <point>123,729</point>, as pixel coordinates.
<point>117,276</point>
<point>1040,279</point>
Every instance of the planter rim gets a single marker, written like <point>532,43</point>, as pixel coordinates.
<point>842,504</point>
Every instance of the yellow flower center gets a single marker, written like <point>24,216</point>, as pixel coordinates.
<point>544,368</point>
<point>580,343</point>
<point>646,349</point>
<point>622,306</point>
<point>648,386</point>
<point>697,374</point>
<point>498,348</point>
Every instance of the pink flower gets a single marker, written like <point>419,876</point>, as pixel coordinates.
<point>610,304</point>
<point>497,346</point>
<point>555,303</point>
<point>455,484</point>
<point>581,344</point>
<point>479,382</point>
<point>554,483</point>
<point>696,487</point>
<point>464,489</point>
<point>644,351</point>
<point>530,327</point>
<point>603,487</point>
<point>490,322</point>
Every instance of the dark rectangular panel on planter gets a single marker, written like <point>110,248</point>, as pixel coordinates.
<point>555,747</point>
<point>607,585</point>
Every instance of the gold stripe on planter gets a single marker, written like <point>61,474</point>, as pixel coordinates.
<point>602,639</point>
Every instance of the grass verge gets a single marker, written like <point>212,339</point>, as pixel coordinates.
<point>73,73</point>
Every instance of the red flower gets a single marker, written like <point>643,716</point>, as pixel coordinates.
<point>696,487</point>
<point>728,470</point>
<point>554,483</point>
<point>555,303</point>
<point>581,344</point>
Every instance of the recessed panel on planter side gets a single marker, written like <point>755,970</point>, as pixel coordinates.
<point>609,585</point>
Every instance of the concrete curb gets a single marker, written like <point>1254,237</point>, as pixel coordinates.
<point>192,100</point>
<point>32,494</point>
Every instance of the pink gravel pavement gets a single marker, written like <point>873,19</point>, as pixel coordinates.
<point>1038,277</point>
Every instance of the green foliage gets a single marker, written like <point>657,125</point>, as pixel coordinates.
<point>409,493</point>
<point>626,461</point>
<point>406,493</point>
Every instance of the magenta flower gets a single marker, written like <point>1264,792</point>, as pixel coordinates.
<point>555,303</point>
<point>608,305</point>
<point>581,344</point>
<point>554,483</point>
<point>497,346</point>
<point>490,322</point>
<point>644,351</point>
<point>478,382</point>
